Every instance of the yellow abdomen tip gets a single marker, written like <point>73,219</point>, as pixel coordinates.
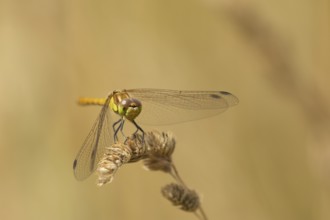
<point>91,101</point>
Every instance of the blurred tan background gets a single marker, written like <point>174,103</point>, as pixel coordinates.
<point>267,158</point>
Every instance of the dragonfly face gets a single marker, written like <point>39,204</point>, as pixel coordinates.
<point>125,106</point>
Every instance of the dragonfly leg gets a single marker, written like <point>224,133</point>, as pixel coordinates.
<point>138,128</point>
<point>115,137</point>
<point>121,127</point>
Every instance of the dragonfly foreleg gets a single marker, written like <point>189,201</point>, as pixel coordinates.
<point>120,127</point>
<point>138,128</point>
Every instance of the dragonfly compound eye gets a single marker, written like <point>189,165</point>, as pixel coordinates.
<point>130,108</point>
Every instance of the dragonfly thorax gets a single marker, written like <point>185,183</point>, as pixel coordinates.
<point>125,106</point>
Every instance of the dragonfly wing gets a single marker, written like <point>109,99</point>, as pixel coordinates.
<point>161,107</point>
<point>93,147</point>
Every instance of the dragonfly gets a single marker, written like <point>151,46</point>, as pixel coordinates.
<point>148,106</point>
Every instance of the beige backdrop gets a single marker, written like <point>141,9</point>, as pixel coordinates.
<point>266,159</point>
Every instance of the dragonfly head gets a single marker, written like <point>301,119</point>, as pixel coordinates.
<point>130,108</point>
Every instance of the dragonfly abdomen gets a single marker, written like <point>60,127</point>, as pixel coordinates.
<point>91,101</point>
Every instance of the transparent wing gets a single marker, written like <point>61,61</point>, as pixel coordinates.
<point>161,107</point>
<point>93,147</point>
